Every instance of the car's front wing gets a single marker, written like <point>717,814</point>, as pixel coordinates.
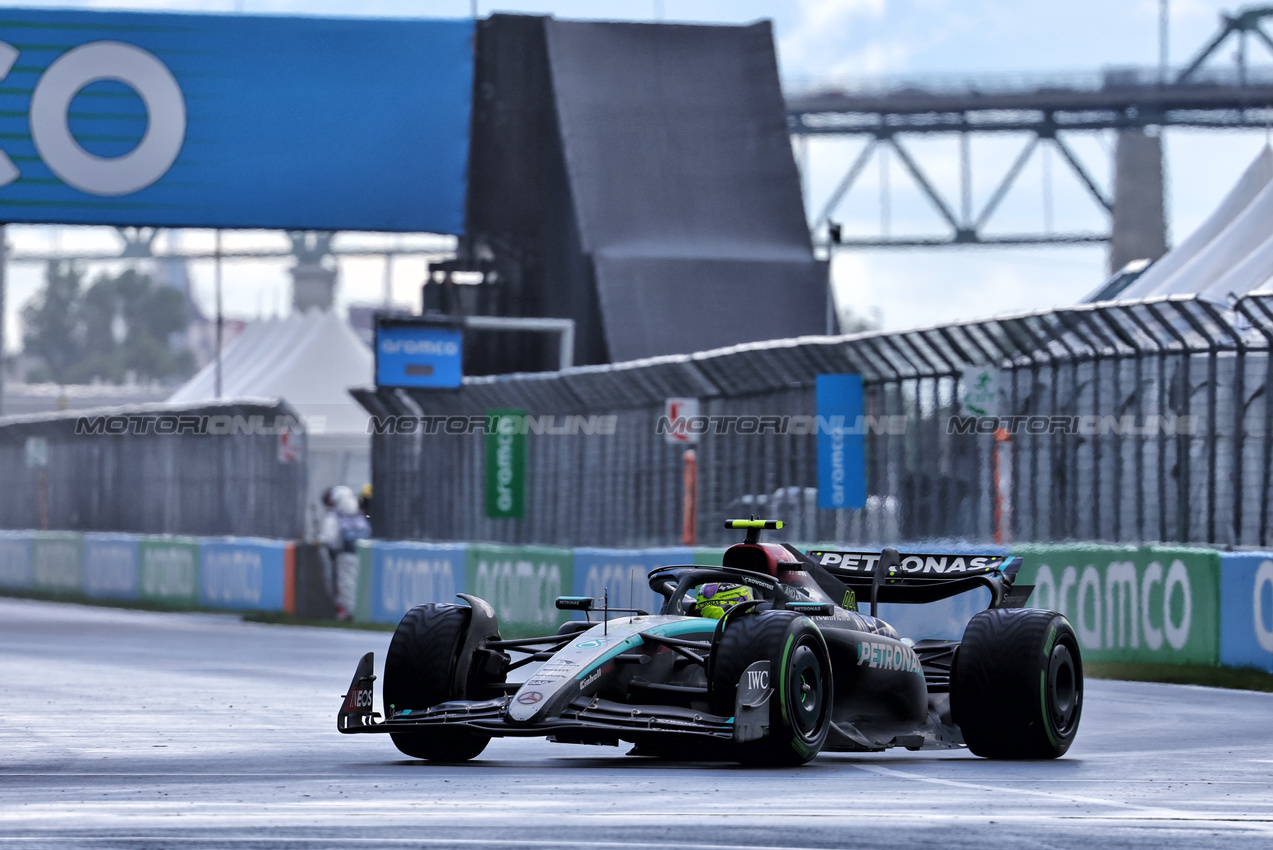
<point>585,716</point>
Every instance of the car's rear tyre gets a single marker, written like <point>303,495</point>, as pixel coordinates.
<point>1016,686</point>
<point>420,673</point>
<point>800,667</point>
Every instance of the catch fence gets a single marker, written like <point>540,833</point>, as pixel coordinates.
<point>205,469</point>
<point>1172,442</point>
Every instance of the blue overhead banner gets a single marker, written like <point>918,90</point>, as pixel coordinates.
<point>841,449</point>
<point>234,121</point>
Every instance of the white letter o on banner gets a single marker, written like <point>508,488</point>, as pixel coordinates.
<point>1177,633</point>
<point>1263,576</point>
<point>165,118</point>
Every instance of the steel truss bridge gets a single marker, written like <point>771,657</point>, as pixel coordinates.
<point>1127,100</point>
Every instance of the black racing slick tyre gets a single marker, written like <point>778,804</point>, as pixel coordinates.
<point>801,680</point>
<point>420,673</point>
<point>1016,687</point>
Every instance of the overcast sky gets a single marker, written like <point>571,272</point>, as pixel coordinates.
<point>821,39</point>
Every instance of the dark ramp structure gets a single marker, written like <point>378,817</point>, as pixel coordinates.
<point>639,179</point>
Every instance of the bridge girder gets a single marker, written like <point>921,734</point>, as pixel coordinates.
<point>1126,100</point>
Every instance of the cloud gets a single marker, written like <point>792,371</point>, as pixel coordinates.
<point>824,29</point>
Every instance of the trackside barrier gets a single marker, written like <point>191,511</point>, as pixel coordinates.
<point>57,561</point>
<point>403,575</point>
<point>243,574</point>
<point>172,571</point>
<point>362,603</point>
<point>111,565</point>
<point>15,560</point>
<point>1246,608</point>
<point>1148,603</point>
<point>169,570</point>
<point>522,583</point>
<point>622,573</point>
<point>708,557</point>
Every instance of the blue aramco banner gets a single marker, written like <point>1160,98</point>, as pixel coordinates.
<point>841,449</point>
<point>234,121</point>
<point>412,354</point>
<point>242,573</point>
<point>406,574</point>
<point>623,575</point>
<point>1246,610</point>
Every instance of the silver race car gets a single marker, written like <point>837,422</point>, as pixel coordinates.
<point>765,659</point>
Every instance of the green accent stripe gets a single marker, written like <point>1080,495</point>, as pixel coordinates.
<point>1043,703</point>
<point>782,679</point>
<point>1043,688</point>
<point>674,629</point>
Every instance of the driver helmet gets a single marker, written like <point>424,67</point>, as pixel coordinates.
<point>716,598</point>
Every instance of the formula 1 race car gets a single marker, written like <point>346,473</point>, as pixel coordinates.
<point>763,660</point>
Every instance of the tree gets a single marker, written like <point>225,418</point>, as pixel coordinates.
<point>122,323</point>
<point>51,326</point>
<point>853,322</point>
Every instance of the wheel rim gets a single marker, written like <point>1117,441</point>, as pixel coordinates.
<point>806,698</point>
<point>1063,689</point>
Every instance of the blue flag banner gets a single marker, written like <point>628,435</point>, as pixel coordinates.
<point>841,448</point>
<point>234,121</point>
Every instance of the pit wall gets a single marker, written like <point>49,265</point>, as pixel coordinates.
<point>1155,604</point>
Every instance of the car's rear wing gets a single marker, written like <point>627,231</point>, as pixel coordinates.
<point>918,578</point>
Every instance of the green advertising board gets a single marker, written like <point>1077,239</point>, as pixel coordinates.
<point>1149,603</point>
<point>169,570</point>
<point>522,583</point>
<point>57,561</point>
<point>506,464</point>
<point>362,602</point>
<point>706,557</point>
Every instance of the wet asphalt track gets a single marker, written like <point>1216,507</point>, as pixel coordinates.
<point>134,729</point>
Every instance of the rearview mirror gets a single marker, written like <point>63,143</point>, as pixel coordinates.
<point>575,603</point>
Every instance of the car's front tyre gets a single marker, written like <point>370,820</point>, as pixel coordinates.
<point>420,673</point>
<point>802,688</point>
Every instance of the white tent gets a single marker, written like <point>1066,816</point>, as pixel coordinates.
<point>310,361</point>
<point>1230,254</point>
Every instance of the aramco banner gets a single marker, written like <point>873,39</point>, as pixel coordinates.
<point>506,464</point>
<point>841,448</point>
<point>1148,603</point>
<point>234,121</point>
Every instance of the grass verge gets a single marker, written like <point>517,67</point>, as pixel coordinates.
<point>1239,678</point>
